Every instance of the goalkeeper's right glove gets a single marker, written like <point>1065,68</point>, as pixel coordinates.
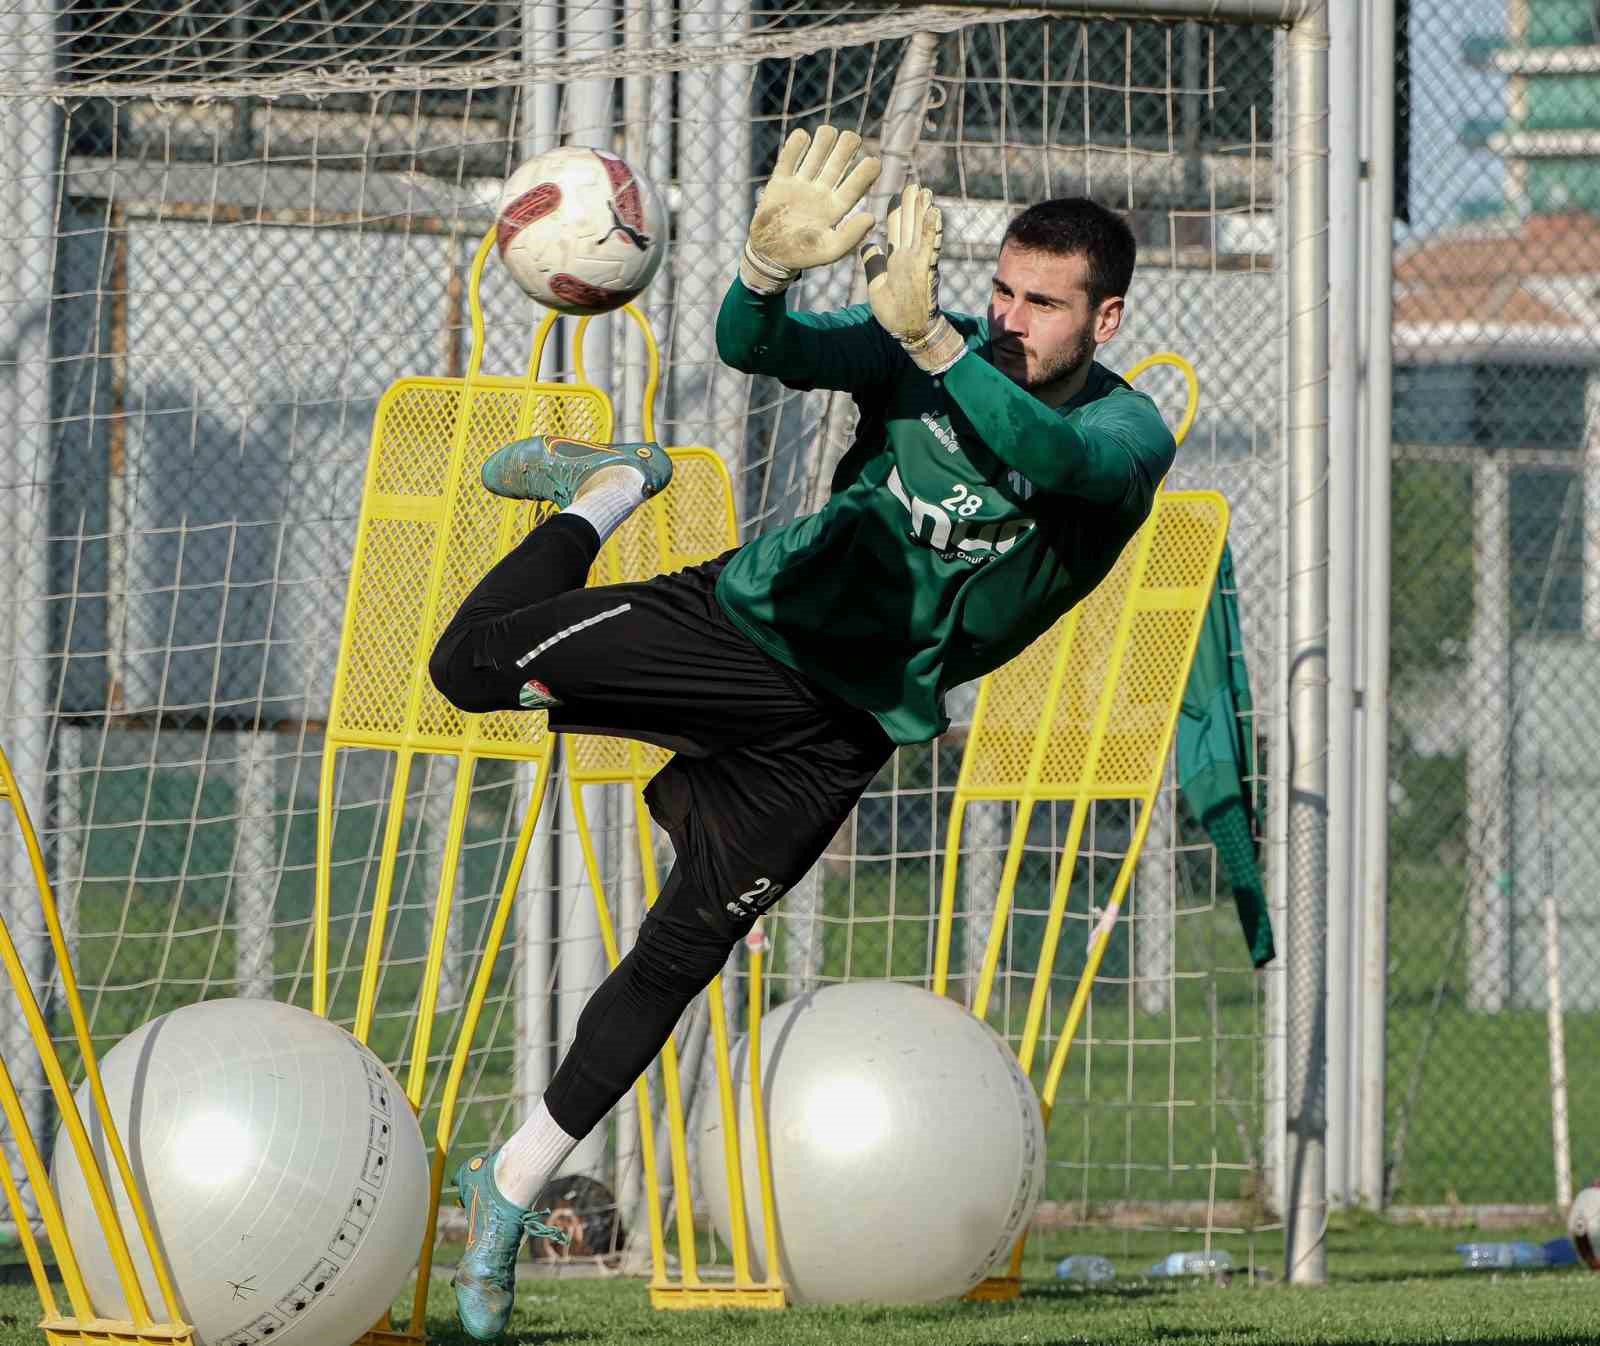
<point>800,218</point>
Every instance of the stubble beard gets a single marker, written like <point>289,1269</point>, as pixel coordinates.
<point>1065,364</point>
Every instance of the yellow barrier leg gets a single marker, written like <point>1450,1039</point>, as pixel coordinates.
<point>468,1030</point>
<point>438,944</point>
<point>947,897</point>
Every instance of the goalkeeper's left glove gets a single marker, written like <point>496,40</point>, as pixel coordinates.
<point>903,283</point>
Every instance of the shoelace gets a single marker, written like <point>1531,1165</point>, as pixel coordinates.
<point>530,1223</point>
<point>534,1226</point>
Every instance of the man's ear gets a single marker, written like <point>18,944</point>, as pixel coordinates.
<point>1108,319</point>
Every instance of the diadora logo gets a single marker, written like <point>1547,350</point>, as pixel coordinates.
<point>756,900</point>
<point>948,527</point>
<point>942,432</point>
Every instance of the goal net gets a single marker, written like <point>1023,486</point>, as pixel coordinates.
<point>231,227</point>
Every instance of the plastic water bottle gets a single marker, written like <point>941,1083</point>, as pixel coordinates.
<point>1087,1268</point>
<point>1193,1264</point>
<point>1520,1253</point>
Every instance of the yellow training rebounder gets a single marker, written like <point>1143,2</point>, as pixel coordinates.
<point>1086,714</point>
<point>82,1325</point>
<point>428,532</point>
<point>702,520</point>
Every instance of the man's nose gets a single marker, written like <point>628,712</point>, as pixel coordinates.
<point>1007,320</point>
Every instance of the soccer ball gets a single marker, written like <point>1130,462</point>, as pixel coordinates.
<point>580,230</point>
<point>1583,1225</point>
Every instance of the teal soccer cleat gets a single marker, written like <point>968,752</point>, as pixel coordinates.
<point>486,1277</point>
<point>552,467</point>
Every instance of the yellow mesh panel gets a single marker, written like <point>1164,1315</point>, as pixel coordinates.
<point>386,598</point>
<point>690,522</point>
<point>1151,680</point>
<point>1184,559</point>
<point>411,426</point>
<point>428,532</point>
<point>578,418</point>
<point>1035,732</point>
<point>1000,748</point>
<point>1088,663</point>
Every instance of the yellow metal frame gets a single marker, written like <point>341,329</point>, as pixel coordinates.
<point>427,533</point>
<point>82,1325</point>
<point>1173,360</point>
<point>624,762</point>
<point>620,762</point>
<point>423,512</point>
<point>1179,522</point>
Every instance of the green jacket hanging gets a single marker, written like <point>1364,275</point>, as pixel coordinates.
<point>1216,757</point>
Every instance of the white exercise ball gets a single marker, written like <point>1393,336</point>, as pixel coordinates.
<point>281,1165</point>
<point>907,1146</point>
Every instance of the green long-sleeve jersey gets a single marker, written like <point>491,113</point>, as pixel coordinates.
<point>965,519</point>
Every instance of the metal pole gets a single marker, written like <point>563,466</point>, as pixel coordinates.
<point>902,125</point>
<point>1305,218</point>
<point>728,391</point>
<point>1555,1028</point>
<point>1489,747</point>
<point>1155,901</point>
<point>700,263</point>
<point>28,178</point>
<point>536,927</point>
<point>1276,1145</point>
<point>541,103</point>
<point>1591,505</point>
<point>535,921</point>
<point>438,788</point>
<point>1374,822</point>
<point>1278,13</point>
<point>647,145</point>
<point>586,120</point>
<point>1344,440</point>
<point>255,869</point>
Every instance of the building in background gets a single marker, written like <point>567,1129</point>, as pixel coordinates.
<point>1550,138</point>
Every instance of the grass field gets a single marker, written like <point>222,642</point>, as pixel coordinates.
<point>1389,1284</point>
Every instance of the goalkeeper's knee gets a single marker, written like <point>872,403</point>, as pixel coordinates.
<point>466,687</point>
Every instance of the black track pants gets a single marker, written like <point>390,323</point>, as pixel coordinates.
<point>768,767</point>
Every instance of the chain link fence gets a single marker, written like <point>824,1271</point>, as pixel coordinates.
<point>1496,595</point>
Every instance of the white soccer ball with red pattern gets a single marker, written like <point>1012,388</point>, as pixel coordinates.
<point>580,230</point>
<point>1583,1225</point>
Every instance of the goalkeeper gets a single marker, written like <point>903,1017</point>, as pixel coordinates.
<point>996,474</point>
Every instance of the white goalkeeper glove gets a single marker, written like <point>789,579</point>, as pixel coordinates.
<point>800,218</point>
<point>903,283</point>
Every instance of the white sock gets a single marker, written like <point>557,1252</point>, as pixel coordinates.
<point>607,498</point>
<point>531,1157</point>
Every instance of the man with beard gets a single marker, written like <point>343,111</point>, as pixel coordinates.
<point>996,475</point>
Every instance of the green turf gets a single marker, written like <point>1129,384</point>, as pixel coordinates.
<point>1388,1284</point>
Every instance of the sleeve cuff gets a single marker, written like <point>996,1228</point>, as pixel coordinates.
<point>936,352</point>
<point>763,276</point>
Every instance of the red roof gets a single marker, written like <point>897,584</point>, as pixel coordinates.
<point>1540,273</point>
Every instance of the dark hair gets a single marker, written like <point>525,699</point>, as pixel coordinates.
<point>593,1205</point>
<point>1075,224</point>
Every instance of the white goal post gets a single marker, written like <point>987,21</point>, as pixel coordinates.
<point>229,231</point>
